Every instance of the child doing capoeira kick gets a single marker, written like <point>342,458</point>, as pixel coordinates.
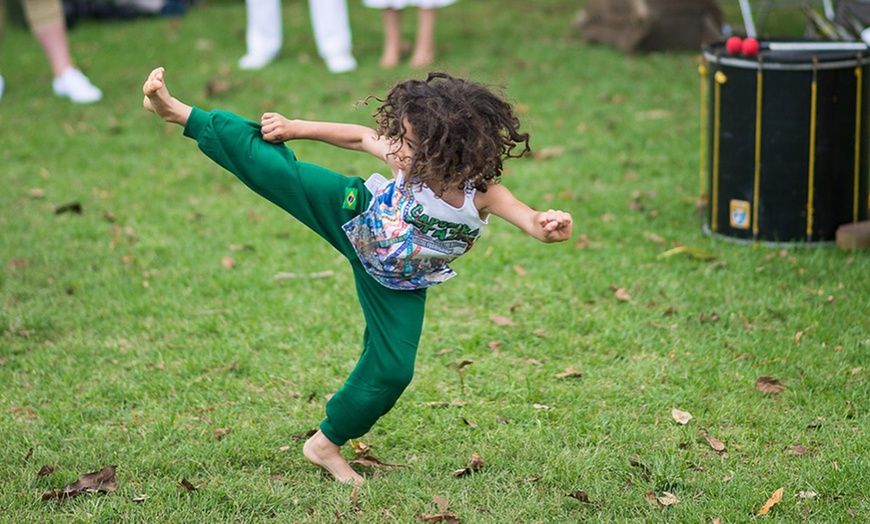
<point>444,140</point>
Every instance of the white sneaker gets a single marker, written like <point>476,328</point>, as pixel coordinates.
<point>2,85</point>
<point>340,64</point>
<point>253,61</point>
<point>74,85</point>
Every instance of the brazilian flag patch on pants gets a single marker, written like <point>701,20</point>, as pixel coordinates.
<point>350,198</point>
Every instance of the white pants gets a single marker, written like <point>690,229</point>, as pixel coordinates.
<point>329,20</point>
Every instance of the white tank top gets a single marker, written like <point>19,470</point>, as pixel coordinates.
<point>408,235</point>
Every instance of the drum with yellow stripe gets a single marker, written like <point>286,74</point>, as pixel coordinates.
<point>784,146</point>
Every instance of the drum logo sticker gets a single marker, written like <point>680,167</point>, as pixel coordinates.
<point>739,215</point>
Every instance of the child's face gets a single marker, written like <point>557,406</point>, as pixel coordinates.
<point>404,148</point>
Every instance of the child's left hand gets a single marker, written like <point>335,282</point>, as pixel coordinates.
<point>555,225</point>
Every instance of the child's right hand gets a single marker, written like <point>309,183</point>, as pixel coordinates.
<point>277,129</point>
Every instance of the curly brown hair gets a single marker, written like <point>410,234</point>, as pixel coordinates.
<point>464,131</point>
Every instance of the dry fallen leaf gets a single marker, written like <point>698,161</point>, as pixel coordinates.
<point>188,486</point>
<point>622,294</point>
<point>715,443</point>
<point>520,270</point>
<point>776,497</point>
<point>474,463</point>
<point>650,497</point>
<point>45,471</point>
<point>501,321</point>
<point>580,495</point>
<point>370,461</point>
<point>569,372</point>
<point>667,499</point>
<point>769,385</point>
<point>806,494</point>
<point>360,447</point>
<point>445,516</point>
<point>220,433</point>
<point>441,502</point>
<point>682,417</point>
<point>691,252</point>
<point>228,262</point>
<point>548,152</point>
<point>798,450</point>
<point>102,481</point>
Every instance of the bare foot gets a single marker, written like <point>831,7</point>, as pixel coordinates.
<point>390,58</point>
<point>323,452</point>
<point>422,59</point>
<point>159,101</point>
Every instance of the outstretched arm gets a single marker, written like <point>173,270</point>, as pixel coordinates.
<point>278,129</point>
<point>546,226</point>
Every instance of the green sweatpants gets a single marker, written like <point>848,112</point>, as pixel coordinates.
<point>319,199</point>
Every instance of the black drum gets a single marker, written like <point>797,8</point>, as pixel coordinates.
<point>785,145</point>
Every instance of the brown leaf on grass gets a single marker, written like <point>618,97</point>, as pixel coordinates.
<point>30,450</point>
<point>494,345</point>
<point>220,433</point>
<point>580,495</point>
<point>798,450</point>
<point>769,385</point>
<point>18,263</point>
<point>360,447</point>
<point>441,502</point>
<point>464,364</point>
<point>715,443</point>
<point>228,263</point>
<point>519,270</point>
<point>188,486</point>
<point>691,252</point>
<point>217,86</point>
<point>569,372</point>
<point>548,152</point>
<point>501,321</point>
<point>444,404</point>
<point>71,207</point>
<point>45,471</point>
<point>474,464</point>
<point>102,481</point>
<point>667,499</point>
<point>622,295</point>
<point>445,516</point>
<point>469,423</point>
<point>771,502</point>
<point>652,237</point>
<point>682,417</point>
<point>369,461</point>
<point>800,334</point>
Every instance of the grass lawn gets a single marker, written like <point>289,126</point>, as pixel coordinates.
<point>149,331</point>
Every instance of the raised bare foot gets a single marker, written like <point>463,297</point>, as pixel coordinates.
<point>159,101</point>
<point>323,452</point>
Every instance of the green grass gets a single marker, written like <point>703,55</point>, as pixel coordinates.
<point>124,341</point>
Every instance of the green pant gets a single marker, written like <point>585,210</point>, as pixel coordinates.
<point>317,197</point>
